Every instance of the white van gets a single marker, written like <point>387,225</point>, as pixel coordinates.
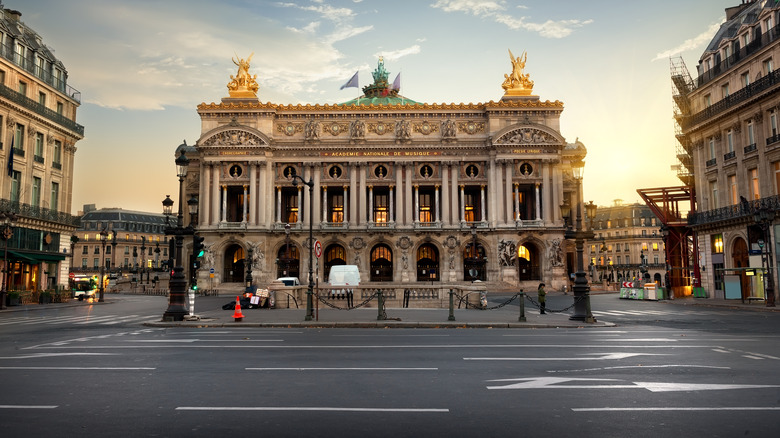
<point>340,278</point>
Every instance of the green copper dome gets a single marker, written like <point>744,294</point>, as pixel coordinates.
<point>380,92</point>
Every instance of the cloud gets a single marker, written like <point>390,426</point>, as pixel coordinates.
<point>398,54</point>
<point>496,11</point>
<point>692,43</point>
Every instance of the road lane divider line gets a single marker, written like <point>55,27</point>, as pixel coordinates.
<point>308,409</point>
<point>27,407</point>
<point>651,409</point>
<point>341,369</point>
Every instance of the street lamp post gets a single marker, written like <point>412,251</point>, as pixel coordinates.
<point>581,287</point>
<point>475,260</point>
<point>309,291</point>
<point>178,284</point>
<point>249,271</point>
<point>113,255</point>
<point>287,249</point>
<point>764,217</point>
<point>6,234</point>
<point>143,257</point>
<point>103,237</point>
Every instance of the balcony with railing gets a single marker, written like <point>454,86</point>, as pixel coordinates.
<point>711,162</point>
<point>41,110</point>
<point>773,139</point>
<point>40,213</point>
<point>760,41</point>
<point>737,212</point>
<point>729,155</point>
<point>732,100</point>
<point>8,52</point>
<point>750,148</point>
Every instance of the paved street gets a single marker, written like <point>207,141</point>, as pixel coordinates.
<point>665,368</point>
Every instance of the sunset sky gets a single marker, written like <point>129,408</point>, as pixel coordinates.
<point>143,66</point>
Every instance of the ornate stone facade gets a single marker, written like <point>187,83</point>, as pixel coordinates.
<point>410,192</point>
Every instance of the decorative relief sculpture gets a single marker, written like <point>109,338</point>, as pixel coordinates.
<point>556,253</point>
<point>233,137</point>
<point>507,251</point>
<point>243,85</point>
<point>425,128</point>
<point>357,130</point>
<point>402,130</point>
<point>471,128</point>
<point>380,128</point>
<point>448,129</point>
<point>526,136</point>
<point>311,130</point>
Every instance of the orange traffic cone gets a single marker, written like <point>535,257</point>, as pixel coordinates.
<point>237,315</point>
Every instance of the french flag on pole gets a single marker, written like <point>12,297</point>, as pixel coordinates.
<point>397,82</point>
<point>353,82</point>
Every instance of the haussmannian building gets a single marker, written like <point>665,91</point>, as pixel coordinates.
<point>38,134</point>
<point>409,192</point>
<point>728,120</point>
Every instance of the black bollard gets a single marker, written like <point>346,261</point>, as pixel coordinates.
<point>521,318</point>
<point>452,307</point>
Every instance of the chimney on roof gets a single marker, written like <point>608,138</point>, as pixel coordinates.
<point>13,15</point>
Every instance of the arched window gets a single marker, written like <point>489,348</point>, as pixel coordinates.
<point>427,263</point>
<point>335,255</point>
<point>287,261</point>
<point>381,263</point>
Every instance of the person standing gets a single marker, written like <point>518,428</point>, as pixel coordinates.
<point>541,294</point>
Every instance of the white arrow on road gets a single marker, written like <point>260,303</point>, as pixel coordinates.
<point>601,356</point>
<point>555,383</point>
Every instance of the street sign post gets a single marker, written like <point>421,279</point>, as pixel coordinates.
<point>318,249</point>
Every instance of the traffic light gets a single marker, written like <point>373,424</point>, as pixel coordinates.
<point>198,249</point>
<point>195,284</point>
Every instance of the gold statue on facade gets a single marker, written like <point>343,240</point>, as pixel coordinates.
<point>243,85</point>
<point>518,83</point>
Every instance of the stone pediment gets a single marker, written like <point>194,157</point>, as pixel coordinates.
<point>527,135</point>
<point>233,137</point>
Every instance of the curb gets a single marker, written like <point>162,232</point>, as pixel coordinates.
<point>377,324</point>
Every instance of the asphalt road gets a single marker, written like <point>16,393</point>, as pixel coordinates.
<point>96,371</point>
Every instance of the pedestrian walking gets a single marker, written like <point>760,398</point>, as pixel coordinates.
<point>541,294</point>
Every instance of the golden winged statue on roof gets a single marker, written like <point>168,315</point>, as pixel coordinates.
<point>518,83</point>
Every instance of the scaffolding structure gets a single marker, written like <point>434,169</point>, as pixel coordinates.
<point>671,206</point>
<point>682,85</point>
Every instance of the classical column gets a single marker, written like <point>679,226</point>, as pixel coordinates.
<point>557,193</point>
<point>324,204</point>
<point>205,189</point>
<point>244,207</point>
<point>456,217</point>
<point>253,206</point>
<point>482,198</point>
<point>305,201</point>
<point>317,199</point>
<point>371,218</point>
<point>362,207</point>
<point>399,175</point>
<point>547,205</point>
<point>391,219</point>
<point>408,195</point>
<point>416,203</point>
<point>517,201</point>
<point>463,204</point>
<point>445,194</point>
<point>261,206</point>
<point>506,199</point>
<point>538,202</point>
<point>353,202</point>
<point>278,204</point>
<point>299,198</point>
<point>215,214</point>
<point>436,203</point>
<point>345,204</point>
<point>224,203</point>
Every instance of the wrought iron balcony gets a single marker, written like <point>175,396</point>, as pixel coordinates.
<point>737,212</point>
<point>750,148</point>
<point>729,155</point>
<point>7,51</point>
<point>732,100</point>
<point>711,162</point>
<point>46,214</point>
<point>773,139</point>
<point>761,40</point>
<point>41,110</point>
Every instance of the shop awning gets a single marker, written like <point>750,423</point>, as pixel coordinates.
<point>33,257</point>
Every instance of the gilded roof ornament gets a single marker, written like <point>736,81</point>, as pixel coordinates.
<point>243,85</point>
<point>517,83</point>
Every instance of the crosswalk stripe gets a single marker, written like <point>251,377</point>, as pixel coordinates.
<point>79,320</point>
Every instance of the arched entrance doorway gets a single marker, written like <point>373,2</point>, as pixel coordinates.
<point>740,259</point>
<point>427,263</point>
<point>335,255</point>
<point>528,262</point>
<point>234,264</point>
<point>381,263</point>
<point>474,263</point>
<point>287,261</point>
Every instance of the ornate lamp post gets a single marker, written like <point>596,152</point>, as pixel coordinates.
<point>581,288</point>
<point>6,233</point>
<point>192,207</point>
<point>113,254</point>
<point>309,291</point>
<point>249,270</point>
<point>474,271</point>
<point>178,284</point>
<point>764,217</point>
<point>103,237</point>
<point>143,258</point>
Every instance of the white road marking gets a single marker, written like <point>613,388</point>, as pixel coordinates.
<point>747,356</point>
<point>80,368</point>
<point>604,356</point>
<point>341,369</point>
<point>294,408</point>
<point>37,355</point>
<point>27,407</point>
<point>378,347</point>
<point>637,366</point>
<point>558,383</point>
<point>650,409</point>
